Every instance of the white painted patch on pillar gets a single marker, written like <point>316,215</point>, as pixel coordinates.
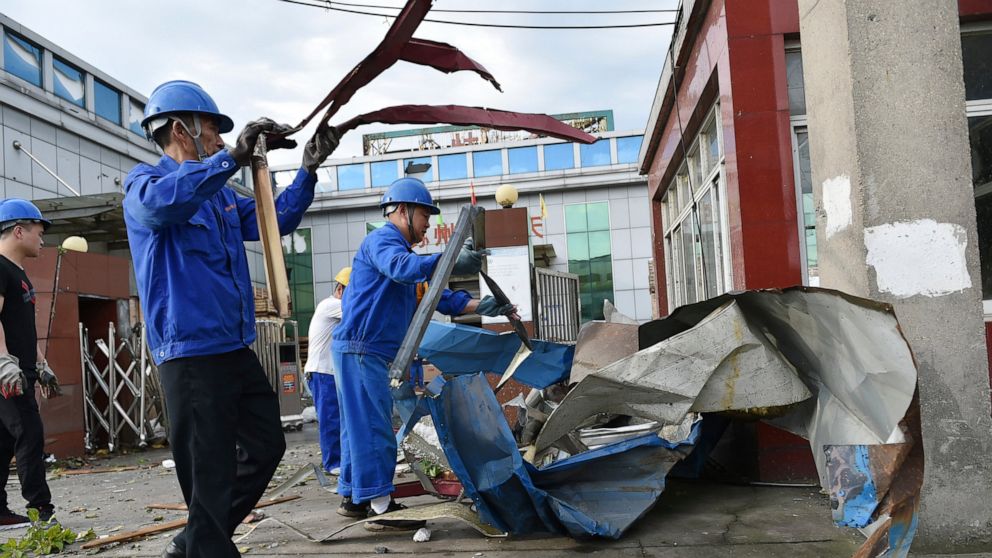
<point>836,194</point>
<point>921,257</point>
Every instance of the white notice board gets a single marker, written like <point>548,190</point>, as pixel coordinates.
<point>510,268</point>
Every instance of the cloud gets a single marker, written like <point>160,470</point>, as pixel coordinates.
<point>264,57</point>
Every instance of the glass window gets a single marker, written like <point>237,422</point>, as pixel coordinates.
<point>694,242</point>
<point>558,156</point>
<point>590,255</point>
<point>595,154</point>
<point>135,116</point>
<point>384,173</point>
<point>373,225</point>
<point>21,58</point>
<point>283,179</point>
<point>628,149</point>
<point>427,176</point>
<point>298,252</point>
<point>452,167</point>
<point>980,132</point>
<point>711,140</point>
<point>809,211</point>
<point>487,163</point>
<point>107,101</point>
<point>522,159</point>
<point>69,82</point>
<point>351,177</point>
<point>976,53</point>
<point>794,82</point>
<point>325,179</point>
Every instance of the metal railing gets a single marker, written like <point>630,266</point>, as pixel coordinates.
<point>556,305</point>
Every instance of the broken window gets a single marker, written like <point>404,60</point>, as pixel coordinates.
<point>69,82</point>
<point>693,220</point>
<point>22,58</point>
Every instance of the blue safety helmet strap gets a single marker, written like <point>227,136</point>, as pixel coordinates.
<point>15,210</point>
<point>180,96</point>
<point>409,190</point>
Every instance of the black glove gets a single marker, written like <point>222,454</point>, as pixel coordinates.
<point>489,307</point>
<point>469,260</point>
<point>320,147</point>
<point>243,148</point>
<point>48,381</point>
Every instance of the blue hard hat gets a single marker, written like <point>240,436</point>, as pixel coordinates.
<point>179,96</point>
<point>16,210</point>
<point>409,190</point>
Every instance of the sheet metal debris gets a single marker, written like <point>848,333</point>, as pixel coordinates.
<point>460,349</point>
<point>600,344</point>
<point>828,366</point>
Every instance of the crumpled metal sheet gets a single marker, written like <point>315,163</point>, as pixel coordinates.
<point>600,344</point>
<point>461,349</point>
<point>600,492</point>
<point>445,58</point>
<point>717,366</point>
<point>461,115</point>
<point>837,365</point>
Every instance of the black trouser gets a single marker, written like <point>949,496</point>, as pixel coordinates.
<point>23,435</point>
<point>227,440</point>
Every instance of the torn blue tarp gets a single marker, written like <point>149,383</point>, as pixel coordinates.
<point>460,349</point>
<point>600,492</point>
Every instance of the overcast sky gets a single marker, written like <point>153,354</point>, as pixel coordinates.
<point>270,58</point>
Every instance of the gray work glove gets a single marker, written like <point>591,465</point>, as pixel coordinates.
<point>48,381</point>
<point>469,260</point>
<point>320,147</point>
<point>243,148</point>
<point>11,378</point>
<point>489,307</point>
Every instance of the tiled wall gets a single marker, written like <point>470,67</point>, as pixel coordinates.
<point>337,235</point>
<point>82,163</point>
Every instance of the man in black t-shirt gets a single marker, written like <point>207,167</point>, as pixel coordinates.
<point>21,366</point>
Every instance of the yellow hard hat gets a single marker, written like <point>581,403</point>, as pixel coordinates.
<point>343,276</point>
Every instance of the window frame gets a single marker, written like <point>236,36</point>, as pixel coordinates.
<point>684,212</point>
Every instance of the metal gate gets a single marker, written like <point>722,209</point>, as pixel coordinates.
<point>556,305</point>
<point>279,353</point>
<point>121,399</point>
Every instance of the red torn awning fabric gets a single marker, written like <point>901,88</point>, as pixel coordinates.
<point>444,57</point>
<point>379,60</point>
<point>459,115</point>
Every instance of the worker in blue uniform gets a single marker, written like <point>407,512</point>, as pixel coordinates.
<point>187,230</point>
<point>378,307</point>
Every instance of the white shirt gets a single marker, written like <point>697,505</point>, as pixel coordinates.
<point>325,318</point>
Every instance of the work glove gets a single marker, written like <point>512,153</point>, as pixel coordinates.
<point>48,381</point>
<point>469,260</point>
<point>11,377</point>
<point>489,307</point>
<point>245,145</point>
<point>320,147</point>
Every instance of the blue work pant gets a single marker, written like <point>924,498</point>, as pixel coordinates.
<point>325,401</point>
<point>368,449</point>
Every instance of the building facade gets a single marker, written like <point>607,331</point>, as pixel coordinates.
<point>727,156</point>
<point>595,221</point>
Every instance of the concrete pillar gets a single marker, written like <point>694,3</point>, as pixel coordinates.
<point>896,222</point>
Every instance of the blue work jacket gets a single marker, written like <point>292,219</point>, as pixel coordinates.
<point>381,297</point>
<point>187,232</point>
